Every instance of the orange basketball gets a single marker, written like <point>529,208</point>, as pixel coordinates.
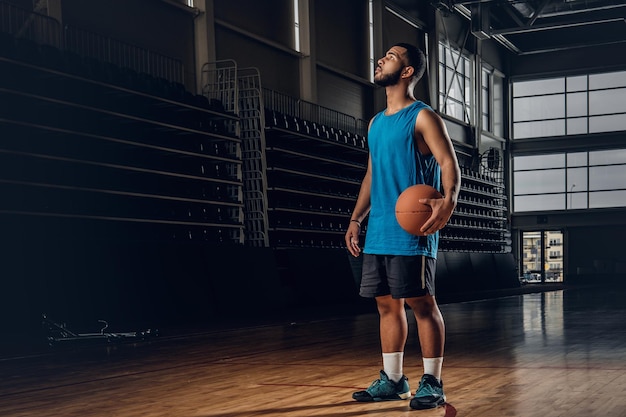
<point>410,213</point>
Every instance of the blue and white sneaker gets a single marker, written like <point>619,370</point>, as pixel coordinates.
<point>384,389</point>
<point>429,394</point>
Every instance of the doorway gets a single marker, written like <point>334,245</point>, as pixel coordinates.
<point>542,256</point>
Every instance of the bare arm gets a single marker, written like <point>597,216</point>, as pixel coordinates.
<point>361,209</point>
<point>432,130</point>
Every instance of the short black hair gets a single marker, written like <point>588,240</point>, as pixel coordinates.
<point>415,58</point>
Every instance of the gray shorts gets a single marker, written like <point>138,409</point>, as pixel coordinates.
<point>400,276</point>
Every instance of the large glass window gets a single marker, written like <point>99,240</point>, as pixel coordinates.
<point>573,180</point>
<point>455,83</point>
<point>575,105</point>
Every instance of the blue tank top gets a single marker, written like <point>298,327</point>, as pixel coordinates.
<point>396,165</point>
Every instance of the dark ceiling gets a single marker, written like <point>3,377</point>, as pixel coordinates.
<point>538,26</point>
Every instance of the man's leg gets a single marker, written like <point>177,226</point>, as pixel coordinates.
<point>393,323</point>
<point>431,331</point>
<point>392,385</point>
<point>393,334</point>
<point>430,325</point>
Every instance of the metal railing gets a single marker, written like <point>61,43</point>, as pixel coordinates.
<point>219,82</point>
<point>45,30</point>
<point>22,23</point>
<point>287,105</point>
<point>251,116</point>
<point>122,54</point>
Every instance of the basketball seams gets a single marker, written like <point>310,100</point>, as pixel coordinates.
<point>410,213</point>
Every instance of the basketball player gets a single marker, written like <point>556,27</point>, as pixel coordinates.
<point>408,144</point>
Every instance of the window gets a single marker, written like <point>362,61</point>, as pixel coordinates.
<point>492,111</point>
<point>296,29</point>
<point>540,262</point>
<point>567,181</point>
<point>455,84</point>
<point>486,110</point>
<point>370,21</point>
<point>575,105</point>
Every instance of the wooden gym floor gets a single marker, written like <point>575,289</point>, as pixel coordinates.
<point>556,353</point>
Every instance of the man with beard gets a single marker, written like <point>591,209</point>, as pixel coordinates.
<point>408,145</point>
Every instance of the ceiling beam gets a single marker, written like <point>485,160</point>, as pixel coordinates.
<point>537,12</point>
<point>547,21</point>
<point>465,12</point>
<point>590,9</point>
<point>570,46</point>
<point>553,26</point>
<point>514,14</point>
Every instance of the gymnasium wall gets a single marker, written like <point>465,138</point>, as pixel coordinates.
<point>140,23</point>
<point>596,253</point>
<point>260,35</point>
<point>249,52</point>
<point>492,53</point>
<point>596,58</point>
<point>341,36</point>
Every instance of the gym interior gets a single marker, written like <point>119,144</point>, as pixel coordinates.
<point>187,165</point>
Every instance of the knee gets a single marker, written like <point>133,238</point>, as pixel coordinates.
<point>388,306</point>
<point>423,306</point>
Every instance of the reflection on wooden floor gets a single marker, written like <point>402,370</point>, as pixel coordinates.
<point>560,353</point>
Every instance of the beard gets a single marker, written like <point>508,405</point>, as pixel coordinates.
<point>386,80</point>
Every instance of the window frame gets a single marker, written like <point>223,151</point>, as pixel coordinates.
<point>465,61</point>
<point>583,122</point>
<point>584,194</point>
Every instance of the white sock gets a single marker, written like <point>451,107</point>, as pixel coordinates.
<point>392,365</point>
<point>432,366</point>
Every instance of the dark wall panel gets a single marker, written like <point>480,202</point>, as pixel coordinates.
<point>495,55</point>
<point>464,272</point>
<point>506,271</point>
<point>459,271</point>
<point>270,19</point>
<point>145,23</point>
<point>341,94</point>
<point>341,35</point>
<point>279,70</point>
<point>596,249</point>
